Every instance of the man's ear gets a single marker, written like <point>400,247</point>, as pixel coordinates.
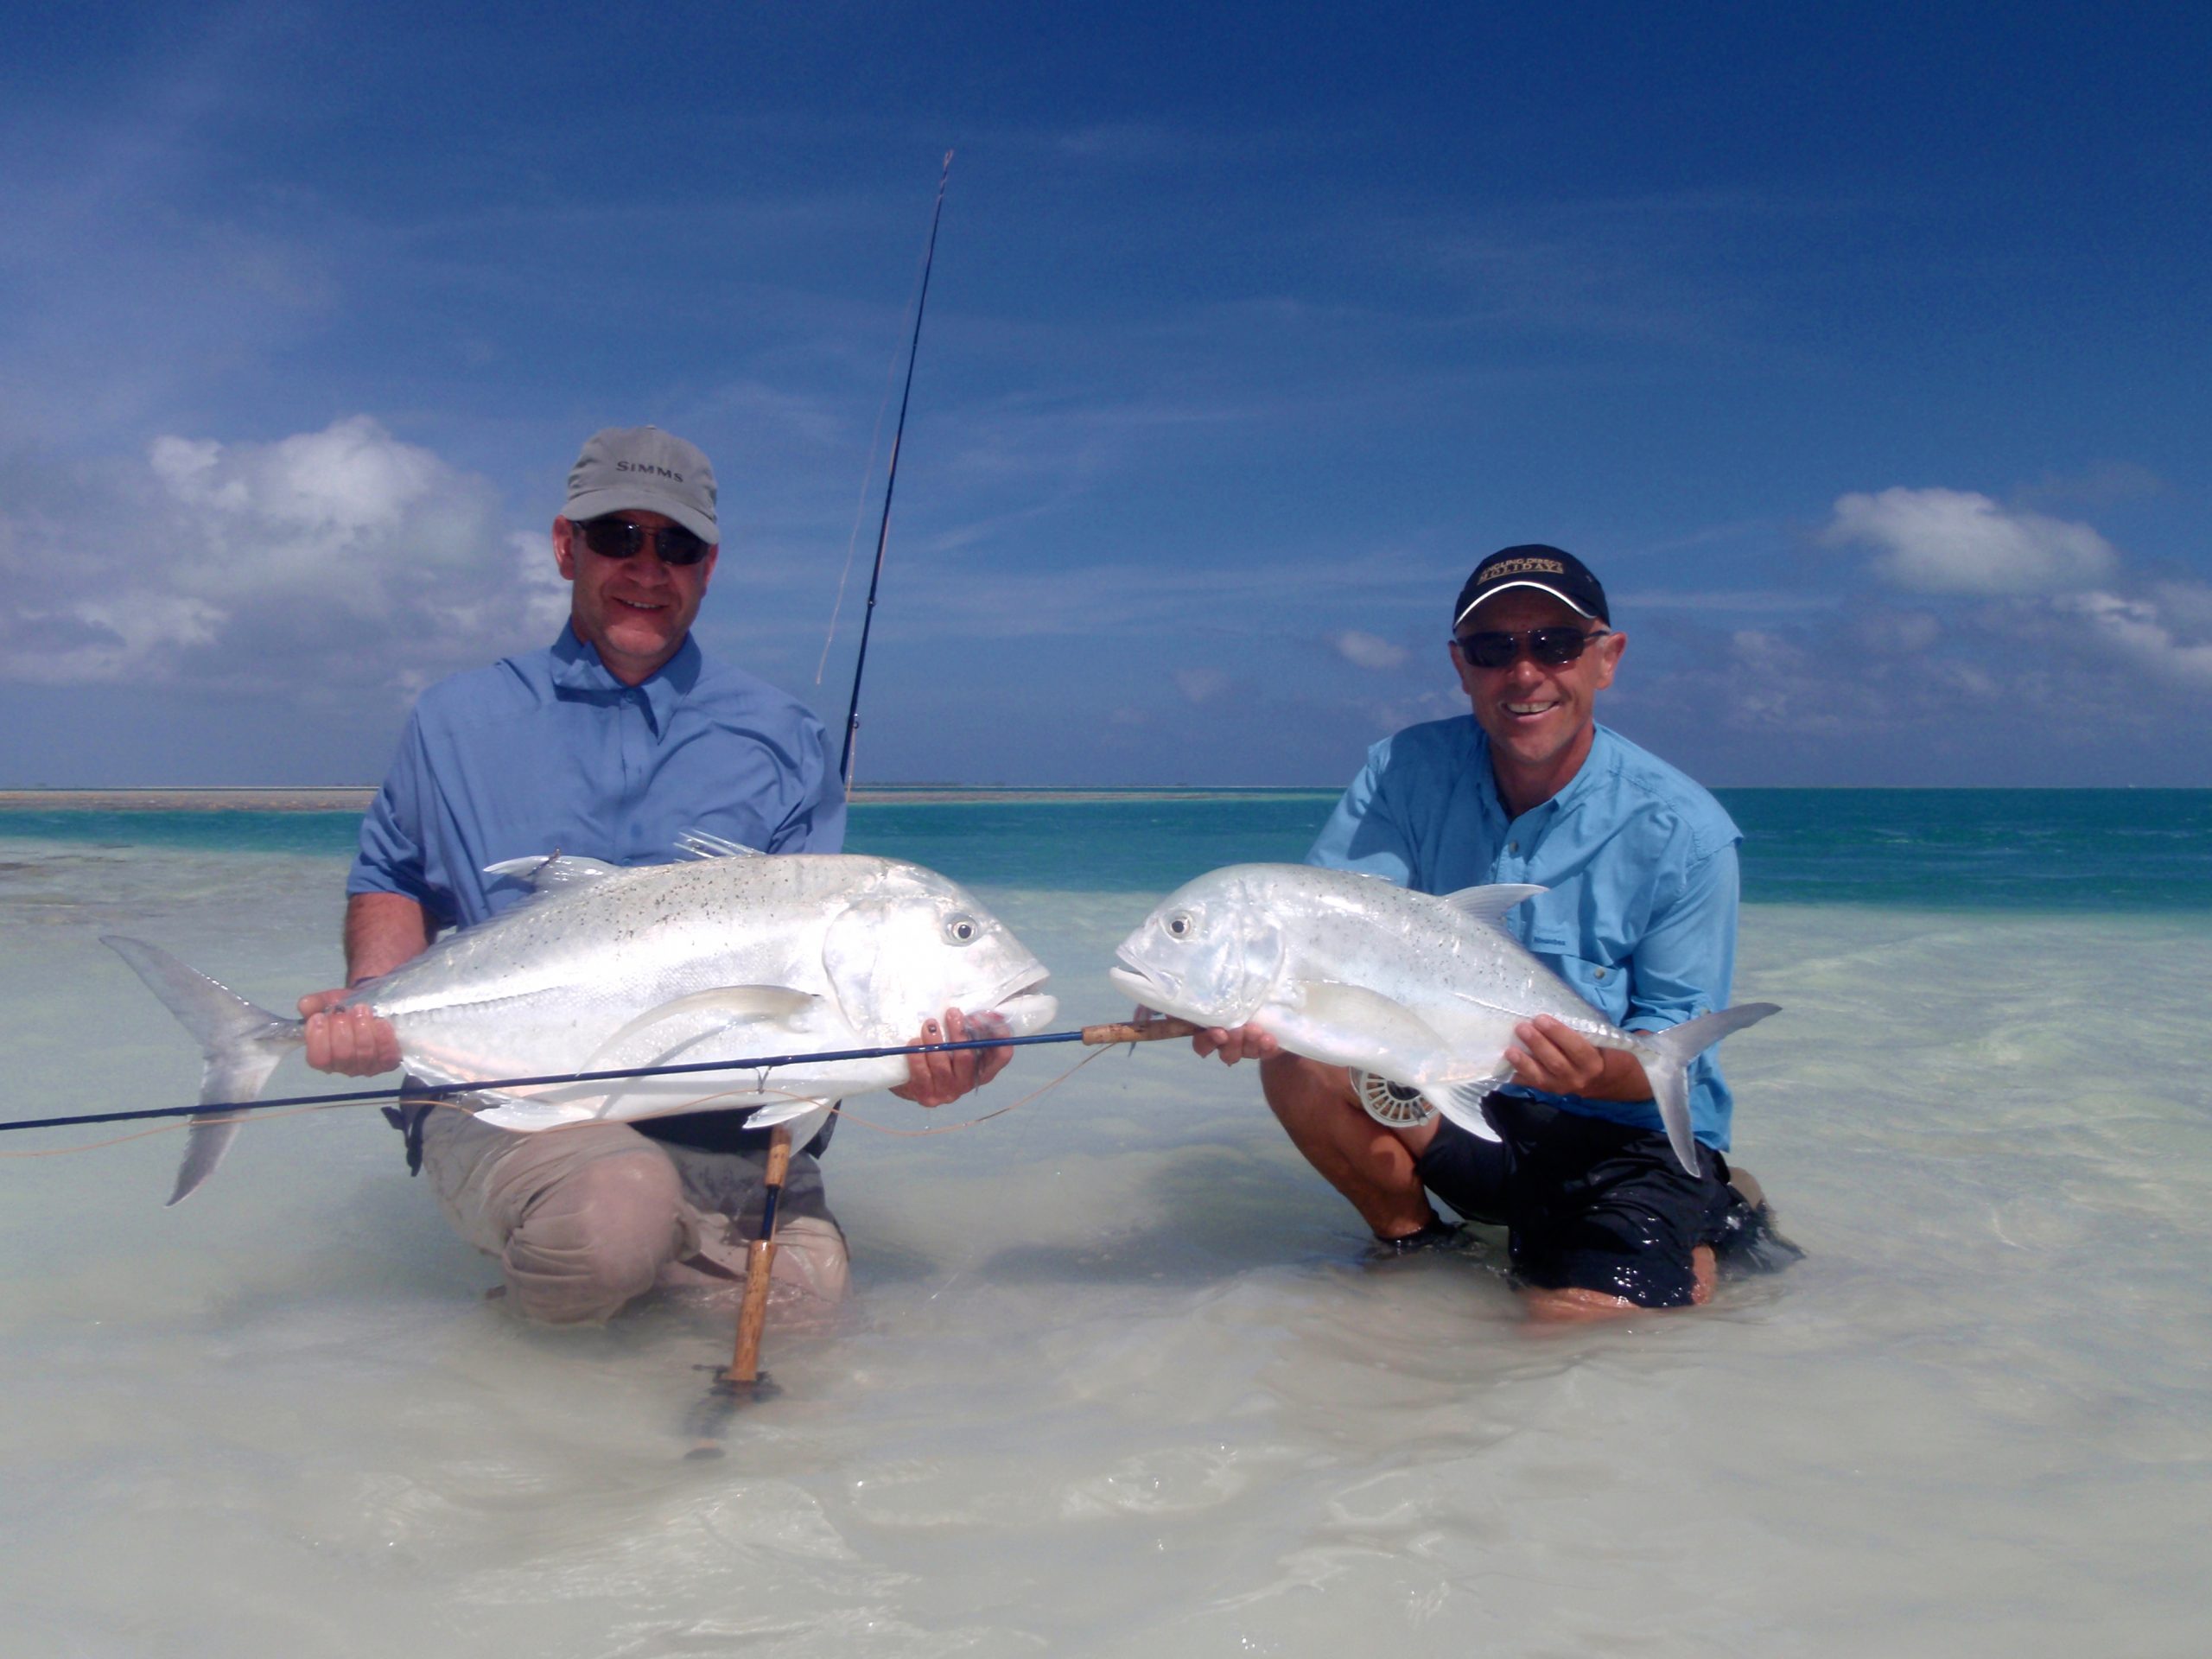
<point>564,553</point>
<point>1610,649</point>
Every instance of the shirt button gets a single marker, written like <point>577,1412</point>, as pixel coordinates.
<point>1600,973</point>
<point>1512,846</point>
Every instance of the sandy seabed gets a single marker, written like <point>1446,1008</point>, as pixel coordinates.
<point>1120,1377</point>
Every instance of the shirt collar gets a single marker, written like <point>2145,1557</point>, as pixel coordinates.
<point>1598,763</point>
<point>577,669</point>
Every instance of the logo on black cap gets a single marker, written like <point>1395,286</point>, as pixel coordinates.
<point>1548,570</point>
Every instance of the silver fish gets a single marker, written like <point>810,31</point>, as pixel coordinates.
<point>1420,990</point>
<point>602,968</point>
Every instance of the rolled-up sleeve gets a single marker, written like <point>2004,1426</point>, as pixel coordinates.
<point>1686,960</point>
<point>816,824</point>
<point>1363,833</point>
<point>392,856</point>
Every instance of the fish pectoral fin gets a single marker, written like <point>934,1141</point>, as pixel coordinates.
<point>1367,1020</point>
<point>554,874</point>
<point>698,843</point>
<point>1490,904</point>
<point>1462,1102</point>
<point>734,1004</point>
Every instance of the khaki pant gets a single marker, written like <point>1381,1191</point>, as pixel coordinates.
<point>587,1218</point>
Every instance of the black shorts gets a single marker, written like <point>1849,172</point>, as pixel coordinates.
<point>1586,1203</point>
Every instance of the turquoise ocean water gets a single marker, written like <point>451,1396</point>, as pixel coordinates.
<point>2085,850</point>
<point>1121,1376</point>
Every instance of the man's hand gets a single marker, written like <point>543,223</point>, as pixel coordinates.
<point>936,1079</point>
<point>1560,1060</point>
<point>1231,1046</point>
<point>1243,1043</point>
<point>352,1042</point>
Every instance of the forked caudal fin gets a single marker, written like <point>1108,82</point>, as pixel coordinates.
<point>1667,1055</point>
<point>242,1044</point>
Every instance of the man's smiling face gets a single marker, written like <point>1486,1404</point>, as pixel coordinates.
<point>1540,716</point>
<point>636,611</point>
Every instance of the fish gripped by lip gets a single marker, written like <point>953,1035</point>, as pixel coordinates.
<point>603,968</point>
<point>1423,991</point>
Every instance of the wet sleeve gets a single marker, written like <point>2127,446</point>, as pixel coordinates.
<point>1685,961</point>
<point>391,857</point>
<point>816,824</point>
<point>1364,833</point>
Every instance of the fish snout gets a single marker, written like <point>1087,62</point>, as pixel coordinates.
<point>1155,992</point>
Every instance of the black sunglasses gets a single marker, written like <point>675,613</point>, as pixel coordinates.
<point>1553,647</point>
<point>618,538</point>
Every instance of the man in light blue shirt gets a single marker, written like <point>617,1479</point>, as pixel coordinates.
<point>1639,917</point>
<point>608,745</point>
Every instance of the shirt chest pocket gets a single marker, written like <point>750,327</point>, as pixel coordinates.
<point>1603,986</point>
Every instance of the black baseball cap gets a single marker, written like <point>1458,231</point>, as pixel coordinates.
<point>1548,570</point>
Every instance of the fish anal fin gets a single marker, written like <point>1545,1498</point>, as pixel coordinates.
<point>785,1111</point>
<point>529,1116</point>
<point>1462,1102</point>
<point>1490,904</point>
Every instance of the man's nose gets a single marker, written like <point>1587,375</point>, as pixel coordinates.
<point>1524,670</point>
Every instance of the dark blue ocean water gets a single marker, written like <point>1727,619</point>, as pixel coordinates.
<point>2083,850</point>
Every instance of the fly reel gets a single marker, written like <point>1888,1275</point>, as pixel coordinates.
<point>1392,1104</point>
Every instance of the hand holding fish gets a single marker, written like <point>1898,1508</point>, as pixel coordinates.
<point>1235,1043</point>
<point>940,1079</point>
<point>351,1042</point>
<point>1560,1060</point>
<point>1232,1042</point>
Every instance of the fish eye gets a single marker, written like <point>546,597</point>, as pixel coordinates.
<point>1181,924</point>
<point>961,930</point>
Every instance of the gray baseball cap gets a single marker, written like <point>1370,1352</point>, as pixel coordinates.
<point>645,470</point>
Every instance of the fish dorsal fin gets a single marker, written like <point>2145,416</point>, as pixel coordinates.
<point>698,843</point>
<point>555,874</point>
<point>1490,904</point>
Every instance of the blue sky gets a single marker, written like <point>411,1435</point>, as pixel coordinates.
<point>1862,351</point>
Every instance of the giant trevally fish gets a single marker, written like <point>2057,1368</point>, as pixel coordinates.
<point>735,955</point>
<point>1420,990</point>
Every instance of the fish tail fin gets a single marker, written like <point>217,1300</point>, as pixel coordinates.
<point>242,1043</point>
<point>1667,1056</point>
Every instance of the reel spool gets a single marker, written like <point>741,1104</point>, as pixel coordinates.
<point>1392,1104</point>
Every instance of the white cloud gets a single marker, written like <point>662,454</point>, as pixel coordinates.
<point>1365,649</point>
<point>2144,631</point>
<point>344,560</point>
<point>1957,542</point>
<point>1201,684</point>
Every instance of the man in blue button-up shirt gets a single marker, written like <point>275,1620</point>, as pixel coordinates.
<point>1639,916</point>
<point>609,745</point>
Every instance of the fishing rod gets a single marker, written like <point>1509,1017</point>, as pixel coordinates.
<point>744,1378</point>
<point>890,484</point>
<point>1089,1036</point>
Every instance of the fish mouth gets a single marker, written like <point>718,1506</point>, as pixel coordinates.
<point>1142,986</point>
<point>1025,1009</point>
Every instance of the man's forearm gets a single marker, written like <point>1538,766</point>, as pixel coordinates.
<point>382,929</point>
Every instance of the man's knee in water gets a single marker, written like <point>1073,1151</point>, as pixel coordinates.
<point>596,1238</point>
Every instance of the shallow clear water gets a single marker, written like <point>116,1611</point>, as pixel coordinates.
<point>1120,1377</point>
